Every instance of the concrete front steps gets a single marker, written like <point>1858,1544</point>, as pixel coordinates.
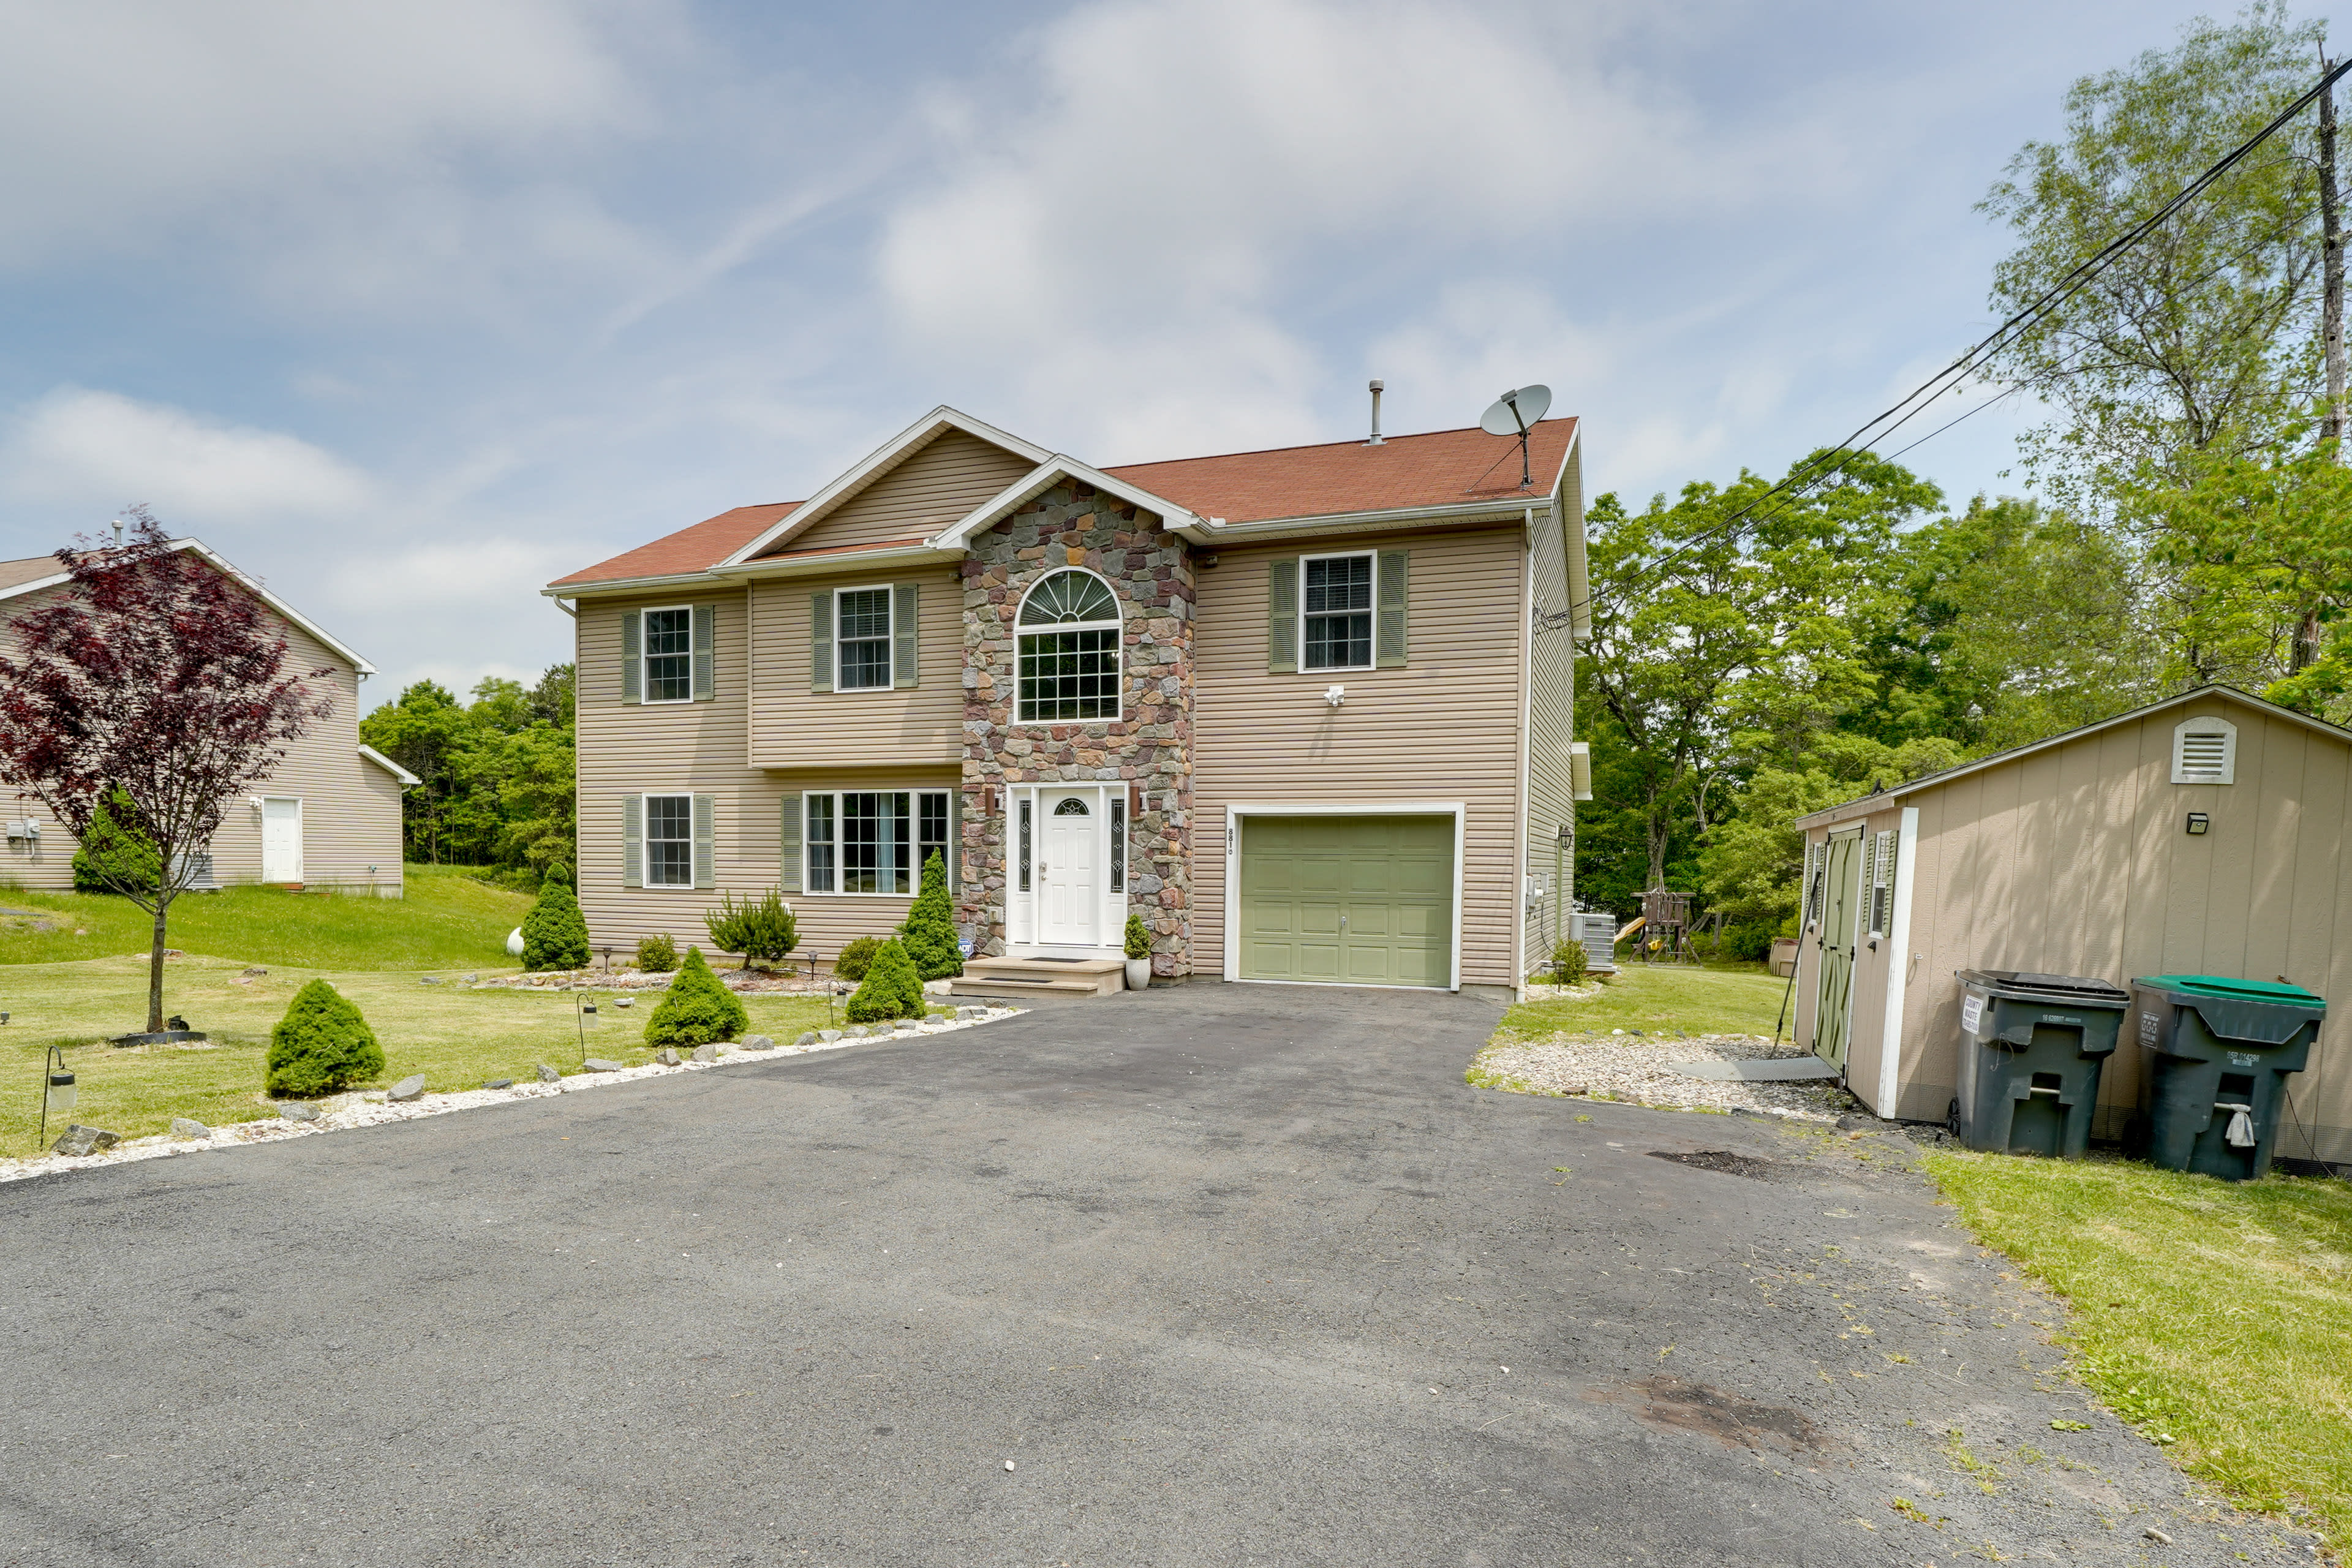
<point>1009,977</point>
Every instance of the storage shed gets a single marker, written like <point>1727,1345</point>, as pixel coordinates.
<point>2210,832</point>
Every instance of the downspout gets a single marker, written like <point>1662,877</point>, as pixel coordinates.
<point>1898,965</point>
<point>1526,743</point>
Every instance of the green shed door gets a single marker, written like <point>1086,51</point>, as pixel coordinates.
<point>1347,900</point>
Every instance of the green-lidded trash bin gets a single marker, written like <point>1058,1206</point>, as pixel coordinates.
<point>2032,1049</point>
<point>2220,1053</point>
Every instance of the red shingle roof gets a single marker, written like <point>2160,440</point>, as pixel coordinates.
<point>1445,467</point>
<point>704,545</point>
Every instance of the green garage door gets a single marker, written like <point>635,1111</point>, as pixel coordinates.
<point>1350,900</point>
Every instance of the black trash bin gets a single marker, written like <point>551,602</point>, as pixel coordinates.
<point>2031,1047</point>
<point>2220,1051</point>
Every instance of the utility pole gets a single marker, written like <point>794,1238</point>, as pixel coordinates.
<point>2331,324</point>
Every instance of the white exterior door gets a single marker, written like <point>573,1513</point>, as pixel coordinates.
<point>282,839</point>
<point>1070,881</point>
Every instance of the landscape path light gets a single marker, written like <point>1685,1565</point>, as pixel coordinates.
<point>58,1090</point>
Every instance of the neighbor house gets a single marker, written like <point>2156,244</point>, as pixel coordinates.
<point>326,818</point>
<point>2208,834</point>
<point>1305,710</point>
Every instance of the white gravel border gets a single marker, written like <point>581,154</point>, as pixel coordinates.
<point>370,1108</point>
<point>1638,1069</point>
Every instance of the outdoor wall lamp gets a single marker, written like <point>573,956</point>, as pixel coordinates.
<point>58,1093</point>
<point>2199,823</point>
<point>1334,695</point>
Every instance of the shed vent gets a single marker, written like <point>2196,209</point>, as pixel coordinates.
<point>2205,752</point>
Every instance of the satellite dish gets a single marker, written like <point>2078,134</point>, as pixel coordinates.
<point>1516,410</point>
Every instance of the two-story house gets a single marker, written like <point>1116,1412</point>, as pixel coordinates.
<point>1305,711</point>
<point>326,818</point>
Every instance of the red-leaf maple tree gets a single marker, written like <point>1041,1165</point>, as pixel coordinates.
<point>157,673</point>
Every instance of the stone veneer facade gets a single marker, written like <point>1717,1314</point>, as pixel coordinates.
<point>1149,744</point>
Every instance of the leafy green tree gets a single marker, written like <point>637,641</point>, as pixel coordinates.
<point>891,988</point>
<point>696,1008</point>
<point>929,929</point>
<point>323,1044</point>
<point>554,931</point>
<point>498,774</point>
<point>1754,859</point>
<point>114,855</point>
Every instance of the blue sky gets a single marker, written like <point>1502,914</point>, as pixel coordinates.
<point>410,307</point>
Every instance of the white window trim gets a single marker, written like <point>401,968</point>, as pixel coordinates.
<point>2205,724</point>
<point>645,839</point>
<point>645,697</point>
<point>889,639</point>
<point>1898,966</point>
<point>1373,610</point>
<point>1235,813</point>
<point>1118,649</point>
<point>914,793</point>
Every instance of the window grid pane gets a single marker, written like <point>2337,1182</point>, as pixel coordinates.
<point>669,655</point>
<point>932,808</point>
<point>669,840</point>
<point>873,842</point>
<point>819,843</point>
<point>863,634</point>
<point>1069,676</point>
<point>1338,611</point>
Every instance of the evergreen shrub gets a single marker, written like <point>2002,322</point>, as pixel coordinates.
<point>555,932</point>
<point>114,855</point>
<point>1567,962</point>
<point>657,954</point>
<point>762,929</point>
<point>696,1008</point>
<point>856,957</point>
<point>930,932</point>
<point>321,1044</point>
<point>892,988</point>
<point>1138,938</point>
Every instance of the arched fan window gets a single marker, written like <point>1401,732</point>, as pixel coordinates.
<point>1068,653</point>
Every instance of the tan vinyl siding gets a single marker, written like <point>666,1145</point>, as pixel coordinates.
<point>2074,859</point>
<point>793,727</point>
<point>929,489</point>
<point>350,806</point>
<point>1445,726</point>
<point>1551,803</point>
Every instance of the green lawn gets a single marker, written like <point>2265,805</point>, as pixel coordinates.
<point>454,1036</point>
<point>448,920</point>
<point>2213,1316</point>
<point>1720,999</point>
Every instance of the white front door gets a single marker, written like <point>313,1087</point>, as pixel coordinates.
<point>1070,892</point>
<point>282,839</point>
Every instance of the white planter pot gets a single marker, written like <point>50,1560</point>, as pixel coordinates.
<point>1138,973</point>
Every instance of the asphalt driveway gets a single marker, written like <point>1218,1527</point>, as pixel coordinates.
<point>1230,1274</point>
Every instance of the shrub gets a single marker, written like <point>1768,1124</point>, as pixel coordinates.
<point>931,933</point>
<point>657,954</point>
<point>1750,941</point>
<point>856,957</point>
<point>114,855</point>
<point>555,932</point>
<point>1138,938</point>
<point>892,988</point>
<point>321,1044</point>
<point>1567,961</point>
<point>696,1008</point>
<point>762,928</point>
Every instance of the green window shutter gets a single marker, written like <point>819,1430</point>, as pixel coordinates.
<point>705,867</point>
<point>788,875</point>
<point>706,640</point>
<point>902,634</point>
<point>1282,616</point>
<point>633,659</point>
<point>1392,650</point>
<point>633,839</point>
<point>820,642</point>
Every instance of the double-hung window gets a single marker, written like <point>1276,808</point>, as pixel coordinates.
<point>1337,611</point>
<point>1069,635</point>
<point>669,655</point>
<point>669,840</point>
<point>874,841</point>
<point>862,637</point>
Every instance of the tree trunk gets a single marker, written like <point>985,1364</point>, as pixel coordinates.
<point>1660,834</point>
<point>155,974</point>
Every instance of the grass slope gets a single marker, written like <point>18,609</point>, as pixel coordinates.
<point>454,1036</point>
<point>2213,1314</point>
<point>1727,999</point>
<point>447,921</point>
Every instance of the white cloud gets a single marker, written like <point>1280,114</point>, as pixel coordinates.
<point>100,451</point>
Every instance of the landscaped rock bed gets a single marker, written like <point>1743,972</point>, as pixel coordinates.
<point>1637,1069</point>
<point>373,1107</point>
<point>746,982</point>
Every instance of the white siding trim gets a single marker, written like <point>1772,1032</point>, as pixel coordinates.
<point>1457,810</point>
<point>1898,965</point>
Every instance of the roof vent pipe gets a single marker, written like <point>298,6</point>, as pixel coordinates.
<point>1376,440</point>
<point>118,533</point>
